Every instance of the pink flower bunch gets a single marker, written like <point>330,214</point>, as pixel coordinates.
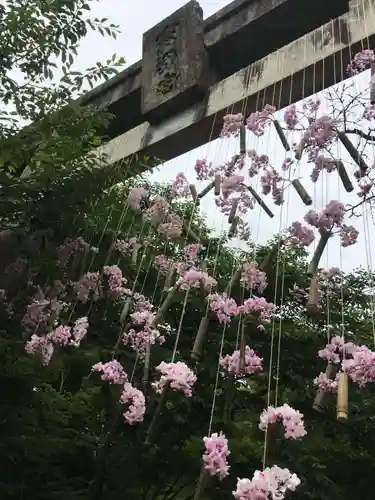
<point>369,112</point>
<point>361,367</point>
<point>204,170</point>
<point>291,419</point>
<point>177,376</point>
<point>231,363</point>
<point>327,384</point>
<point>163,264</point>
<point>88,286</point>
<point>360,62</point>
<point>137,197</point>
<point>232,184</point>
<point>180,186</point>
<point>158,211</point>
<point>40,311</point>
<point>232,125</point>
<point>331,216</point>
<point>286,164</point>
<point>69,248</point>
<point>348,235</point>
<point>290,117</point>
<point>140,340</point>
<point>258,120</point>
<point>137,404</point>
<point>111,372</point>
<point>299,235</point>
<point>322,163</point>
<point>61,336</point>
<point>319,135</point>
<point>258,307</point>
<point>116,281</point>
<point>194,278</point>
<point>253,278</point>
<point>215,456</point>
<point>42,346</point>
<point>125,246</point>
<point>364,188</point>
<point>257,163</point>
<point>336,350</point>
<point>223,306</point>
<point>172,227</point>
<point>271,484</point>
<point>270,183</point>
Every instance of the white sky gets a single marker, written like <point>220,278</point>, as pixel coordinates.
<point>134,19</point>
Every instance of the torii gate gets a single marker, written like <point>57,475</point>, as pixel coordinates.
<point>193,70</point>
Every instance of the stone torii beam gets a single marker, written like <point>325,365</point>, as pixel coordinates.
<point>193,71</point>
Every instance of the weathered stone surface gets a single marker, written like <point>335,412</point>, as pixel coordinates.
<point>174,71</point>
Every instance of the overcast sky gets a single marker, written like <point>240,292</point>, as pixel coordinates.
<point>138,16</point>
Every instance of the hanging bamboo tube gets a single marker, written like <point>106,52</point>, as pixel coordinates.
<point>194,193</point>
<point>242,362</point>
<point>169,278</point>
<point>346,142</point>
<point>125,310</point>
<point>271,440</point>
<point>342,398</point>
<point>281,135</point>
<point>324,237</point>
<point>135,252</point>
<point>233,227</point>
<point>302,193</point>
<point>320,401</point>
<point>158,317</point>
<point>271,255</point>
<point>228,402</point>
<point>235,277</point>
<point>165,306</point>
<point>260,201</point>
<point>243,140</point>
<point>312,302</point>
<point>372,84</point>
<point>343,174</point>
<point>200,338</point>
<point>299,150</point>
<point>233,210</point>
<point>206,190</point>
<point>217,182</point>
<point>201,484</point>
<point>154,426</point>
<point>190,233</point>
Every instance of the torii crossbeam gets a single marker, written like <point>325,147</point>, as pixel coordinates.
<point>174,99</point>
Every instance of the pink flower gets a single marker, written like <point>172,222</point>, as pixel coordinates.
<point>180,187</point>
<point>178,376</point>
<point>231,363</point>
<point>232,125</point>
<point>272,483</point>
<point>136,198</point>
<point>253,278</point>
<point>215,456</point>
<point>112,372</point>
<point>291,419</point>
<point>223,306</point>
<point>326,384</point>
<point>137,404</point>
<point>300,235</point>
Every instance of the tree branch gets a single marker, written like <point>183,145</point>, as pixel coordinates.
<point>362,134</point>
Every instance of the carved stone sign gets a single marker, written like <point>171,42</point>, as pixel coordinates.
<point>175,65</point>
